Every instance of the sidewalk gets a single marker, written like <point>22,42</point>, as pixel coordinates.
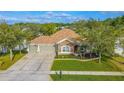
<point>89,73</point>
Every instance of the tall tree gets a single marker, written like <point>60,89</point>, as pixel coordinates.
<point>48,29</point>
<point>20,35</point>
<point>9,40</point>
<point>100,38</point>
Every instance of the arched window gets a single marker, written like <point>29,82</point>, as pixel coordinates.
<point>65,48</point>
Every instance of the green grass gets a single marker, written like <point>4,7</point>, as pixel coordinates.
<point>86,78</point>
<point>119,58</point>
<point>68,56</point>
<point>75,65</point>
<point>5,59</point>
<point>119,62</point>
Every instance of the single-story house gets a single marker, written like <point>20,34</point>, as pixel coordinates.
<point>66,41</point>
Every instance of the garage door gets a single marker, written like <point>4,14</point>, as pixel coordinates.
<point>42,48</point>
<point>33,48</point>
<point>46,48</point>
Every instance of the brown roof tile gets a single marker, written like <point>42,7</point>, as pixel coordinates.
<point>42,40</point>
<point>62,34</point>
<point>65,33</point>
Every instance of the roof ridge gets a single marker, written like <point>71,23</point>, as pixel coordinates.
<point>59,35</point>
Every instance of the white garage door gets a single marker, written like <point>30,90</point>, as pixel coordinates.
<point>47,48</point>
<point>42,48</point>
<point>33,48</point>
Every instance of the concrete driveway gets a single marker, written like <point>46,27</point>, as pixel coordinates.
<point>32,67</point>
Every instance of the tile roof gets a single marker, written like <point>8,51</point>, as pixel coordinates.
<point>64,33</point>
<point>59,35</point>
<point>42,40</point>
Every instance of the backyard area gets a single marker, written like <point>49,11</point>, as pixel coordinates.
<point>5,61</point>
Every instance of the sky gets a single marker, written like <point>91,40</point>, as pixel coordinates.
<point>12,17</point>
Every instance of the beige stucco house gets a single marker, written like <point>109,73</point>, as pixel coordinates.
<point>66,40</point>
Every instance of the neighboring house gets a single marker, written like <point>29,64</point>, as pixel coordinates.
<point>3,50</point>
<point>24,45</point>
<point>66,40</point>
<point>118,48</point>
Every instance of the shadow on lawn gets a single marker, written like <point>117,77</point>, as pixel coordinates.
<point>110,62</point>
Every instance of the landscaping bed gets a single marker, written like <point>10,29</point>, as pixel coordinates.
<point>86,78</point>
<point>67,56</point>
<point>76,65</point>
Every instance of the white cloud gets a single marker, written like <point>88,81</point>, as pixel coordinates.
<point>17,19</point>
<point>9,18</point>
<point>44,17</point>
<point>61,16</point>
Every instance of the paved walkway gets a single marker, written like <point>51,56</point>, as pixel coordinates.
<point>31,67</point>
<point>89,73</point>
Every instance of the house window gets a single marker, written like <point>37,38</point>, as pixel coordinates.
<point>65,48</point>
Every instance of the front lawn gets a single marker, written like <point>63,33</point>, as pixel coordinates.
<point>6,62</point>
<point>86,78</point>
<point>75,65</point>
<point>119,62</point>
<point>119,59</point>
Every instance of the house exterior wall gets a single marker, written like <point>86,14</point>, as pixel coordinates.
<point>66,42</point>
<point>118,49</point>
